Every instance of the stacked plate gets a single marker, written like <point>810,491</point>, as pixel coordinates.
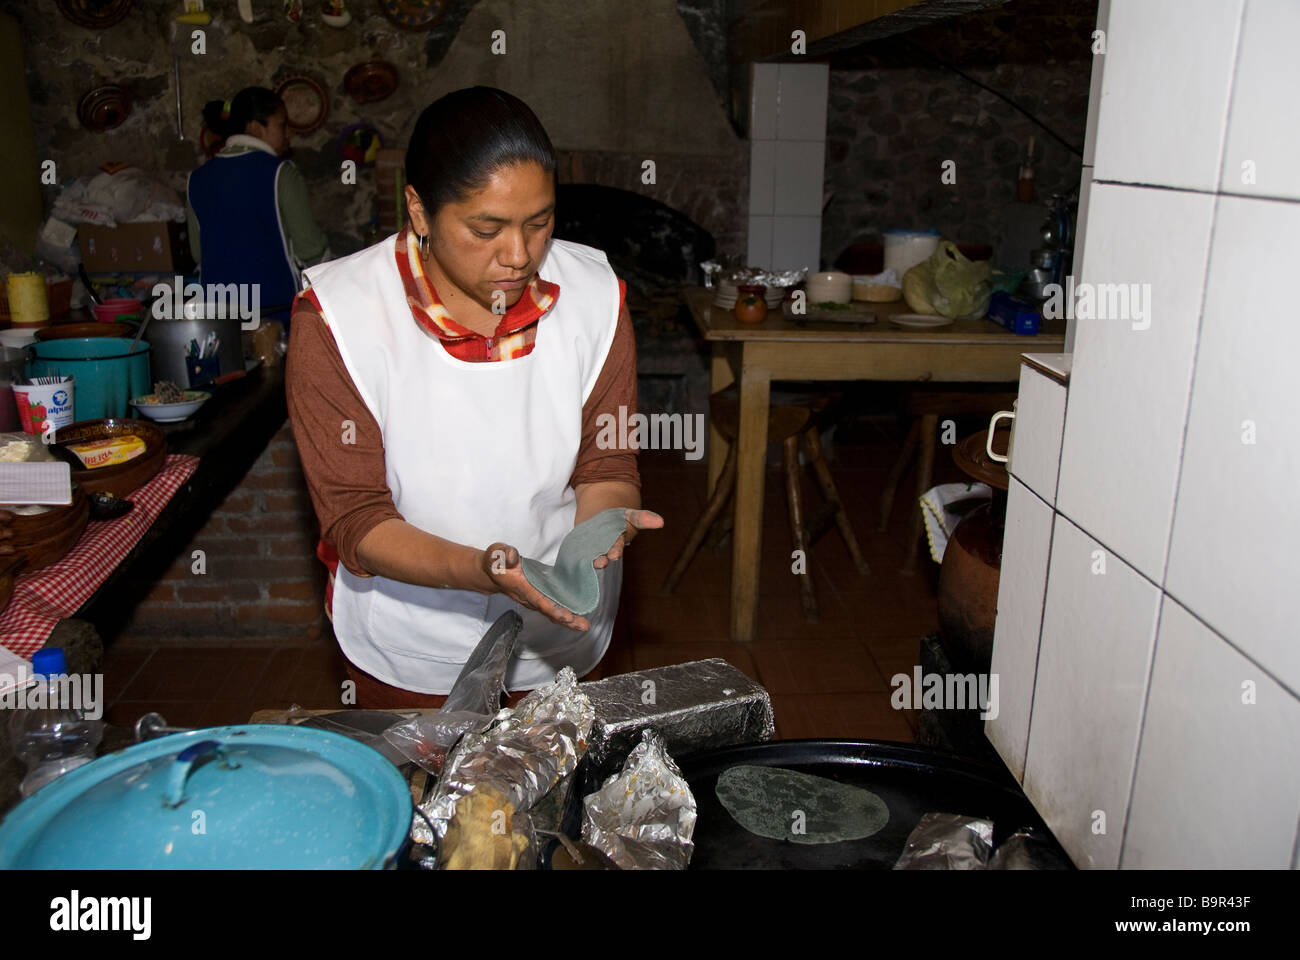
<point>727,294</point>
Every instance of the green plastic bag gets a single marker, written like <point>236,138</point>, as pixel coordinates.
<point>950,285</point>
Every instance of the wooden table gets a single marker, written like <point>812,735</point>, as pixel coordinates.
<point>753,355</point>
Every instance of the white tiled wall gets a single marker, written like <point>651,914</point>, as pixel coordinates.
<point>1180,461</point>
<point>1129,388</point>
<point>787,164</point>
<point>1025,546</point>
<point>1233,556</point>
<point>1264,122</point>
<point>1040,419</point>
<point>1098,631</point>
<point>1217,784</point>
<point>1164,91</point>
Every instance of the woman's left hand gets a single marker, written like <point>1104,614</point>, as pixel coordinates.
<point>637,520</point>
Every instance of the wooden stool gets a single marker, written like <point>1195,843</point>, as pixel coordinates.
<point>926,406</point>
<point>786,423</point>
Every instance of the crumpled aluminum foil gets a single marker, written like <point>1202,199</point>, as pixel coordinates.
<point>751,275</point>
<point>522,755</point>
<point>644,817</point>
<point>1027,849</point>
<point>947,841</point>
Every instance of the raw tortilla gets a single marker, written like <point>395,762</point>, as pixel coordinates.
<point>764,800</point>
<point>572,582</point>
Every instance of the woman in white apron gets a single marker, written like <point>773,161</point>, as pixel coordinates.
<point>443,387</point>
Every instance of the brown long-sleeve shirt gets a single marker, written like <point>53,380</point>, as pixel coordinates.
<point>347,481</point>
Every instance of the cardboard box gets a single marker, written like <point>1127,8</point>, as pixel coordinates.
<point>150,247</point>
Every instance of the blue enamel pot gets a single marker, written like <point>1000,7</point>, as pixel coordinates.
<point>254,796</point>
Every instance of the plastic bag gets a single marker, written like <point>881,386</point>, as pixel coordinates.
<point>950,285</point>
<point>131,195</point>
<point>474,699</point>
<point>19,447</point>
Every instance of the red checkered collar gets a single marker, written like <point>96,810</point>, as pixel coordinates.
<point>427,307</point>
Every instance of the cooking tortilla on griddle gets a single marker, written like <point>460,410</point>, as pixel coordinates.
<point>764,800</point>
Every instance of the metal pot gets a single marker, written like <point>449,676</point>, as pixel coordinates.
<point>239,797</point>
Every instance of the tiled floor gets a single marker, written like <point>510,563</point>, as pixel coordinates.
<point>829,679</point>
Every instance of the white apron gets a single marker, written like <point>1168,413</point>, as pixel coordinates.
<point>474,453</point>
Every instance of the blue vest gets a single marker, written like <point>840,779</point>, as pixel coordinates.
<point>241,239</point>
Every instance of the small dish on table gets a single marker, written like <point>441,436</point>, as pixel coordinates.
<point>150,406</point>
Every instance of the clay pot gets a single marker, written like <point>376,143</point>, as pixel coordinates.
<point>750,305</point>
<point>45,538</point>
<point>968,589</point>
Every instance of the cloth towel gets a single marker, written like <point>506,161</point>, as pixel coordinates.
<point>44,597</point>
<point>940,521</point>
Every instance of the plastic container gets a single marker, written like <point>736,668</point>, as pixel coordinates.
<point>904,249</point>
<point>110,310</point>
<point>54,740</point>
<point>107,375</point>
<point>29,300</point>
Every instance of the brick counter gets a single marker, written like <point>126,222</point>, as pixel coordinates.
<point>262,578</point>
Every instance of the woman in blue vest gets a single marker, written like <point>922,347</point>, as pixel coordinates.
<point>249,213</point>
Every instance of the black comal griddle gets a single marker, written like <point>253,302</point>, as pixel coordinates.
<point>912,780</point>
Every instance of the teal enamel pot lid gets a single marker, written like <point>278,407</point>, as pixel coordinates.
<point>254,796</point>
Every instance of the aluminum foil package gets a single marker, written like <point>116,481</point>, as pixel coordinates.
<point>520,757</point>
<point>1028,849</point>
<point>947,841</point>
<point>696,706</point>
<point>644,817</point>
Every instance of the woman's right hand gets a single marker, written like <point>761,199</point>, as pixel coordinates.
<point>501,562</point>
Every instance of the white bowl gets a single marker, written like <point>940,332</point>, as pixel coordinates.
<point>833,286</point>
<point>18,337</point>
<point>171,412</point>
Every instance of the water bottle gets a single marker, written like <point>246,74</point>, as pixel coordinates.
<point>56,739</point>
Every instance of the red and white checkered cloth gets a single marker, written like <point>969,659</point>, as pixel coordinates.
<point>44,597</point>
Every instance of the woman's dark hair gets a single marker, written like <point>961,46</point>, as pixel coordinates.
<point>463,138</point>
<point>248,105</point>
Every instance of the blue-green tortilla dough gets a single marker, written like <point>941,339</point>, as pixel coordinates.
<point>767,801</point>
<point>572,582</point>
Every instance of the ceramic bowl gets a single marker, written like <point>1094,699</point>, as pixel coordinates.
<point>119,479</point>
<point>149,406</point>
<point>834,286</point>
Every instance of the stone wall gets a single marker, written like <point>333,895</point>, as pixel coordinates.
<point>622,79</point>
<point>898,109</point>
<point>889,132</point>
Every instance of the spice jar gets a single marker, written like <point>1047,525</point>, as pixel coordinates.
<point>750,305</point>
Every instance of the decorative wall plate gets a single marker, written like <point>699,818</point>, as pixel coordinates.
<point>95,14</point>
<point>306,101</point>
<point>371,81</point>
<point>413,14</point>
<point>104,108</point>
